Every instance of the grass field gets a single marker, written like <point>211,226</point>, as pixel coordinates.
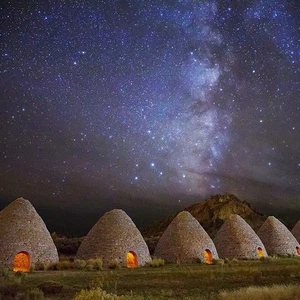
<point>195,281</point>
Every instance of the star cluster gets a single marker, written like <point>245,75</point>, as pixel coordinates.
<point>150,98</point>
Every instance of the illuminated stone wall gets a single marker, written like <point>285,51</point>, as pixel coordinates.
<point>236,239</point>
<point>112,237</point>
<point>185,241</point>
<point>277,238</point>
<point>22,229</point>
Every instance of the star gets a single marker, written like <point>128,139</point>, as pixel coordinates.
<point>169,97</point>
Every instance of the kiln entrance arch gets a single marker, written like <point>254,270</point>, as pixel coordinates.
<point>208,256</point>
<point>260,252</point>
<point>132,260</point>
<point>298,250</point>
<point>22,262</point>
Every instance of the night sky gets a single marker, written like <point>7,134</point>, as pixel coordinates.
<point>144,103</point>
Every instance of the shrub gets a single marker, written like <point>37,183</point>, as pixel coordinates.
<point>79,264</point>
<point>231,262</point>
<point>51,287</point>
<point>139,298</point>
<point>95,294</point>
<point>115,264</point>
<point>94,264</point>
<point>8,276</point>
<point>31,268</point>
<point>5,274</point>
<point>89,267</point>
<point>218,262</point>
<point>276,292</point>
<point>35,294</point>
<point>97,282</point>
<point>11,289</point>
<point>269,258</point>
<point>98,264</point>
<point>11,286</point>
<point>20,275</point>
<point>99,294</point>
<point>51,266</point>
<point>156,262</point>
<point>39,266</point>
<point>256,275</point>
<point>198,260</point>
<point>64,265</point>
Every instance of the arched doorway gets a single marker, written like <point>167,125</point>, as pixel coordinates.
<point>22,262</point>
<point>298,250</point>
<point>208,256</point>
<point>260,252</point>
<point>132,260</point>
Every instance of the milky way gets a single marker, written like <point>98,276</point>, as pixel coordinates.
<point>150,98</point>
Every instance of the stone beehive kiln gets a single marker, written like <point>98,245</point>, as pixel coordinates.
<point>296,231</point>
<point>23,231</point>
<point>185,241</point>
<point>236,239</point>
<point>114,237</point>
<point>277,238</point>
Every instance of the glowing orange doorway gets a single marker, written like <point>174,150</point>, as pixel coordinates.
<point>132,260</point>
<point>208,256</point>
<point>22,262</point>
<point>298,250</point>
<point>260,252</point>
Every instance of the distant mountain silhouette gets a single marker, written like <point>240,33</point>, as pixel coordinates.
<point>211,214</point>
<point>76,219</point>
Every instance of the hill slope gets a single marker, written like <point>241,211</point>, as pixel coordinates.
<point>211,214</point>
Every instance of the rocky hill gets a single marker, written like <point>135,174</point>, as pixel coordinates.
<point>211,214</point>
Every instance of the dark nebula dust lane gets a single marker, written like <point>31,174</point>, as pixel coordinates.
<point>160,100</point>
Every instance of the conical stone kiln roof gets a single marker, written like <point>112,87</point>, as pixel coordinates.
<point>277,238</point>
<point>184,241</point>
<point>112,237</point>
<point>236,239</point>
<point>296,231</point>
<point>22,229</point>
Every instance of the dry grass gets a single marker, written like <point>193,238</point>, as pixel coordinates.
<point>95,294</point>
<point>156,262</point>
<point>115,264</point>
<point>78,264</point>
<point>171,281</point>
<point>275,292</point>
